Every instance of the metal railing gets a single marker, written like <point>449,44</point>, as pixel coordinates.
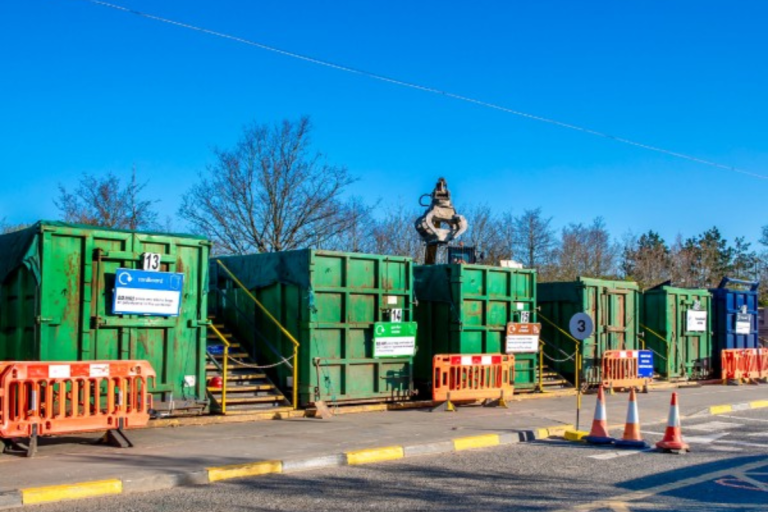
<point>662,338</point>
<point>225,304</point>
<point>225,369</point>
<point>278,325</point>
<point>578,361</point>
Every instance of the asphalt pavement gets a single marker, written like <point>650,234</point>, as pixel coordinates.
<point>166,451</point>
<point>726,470</point>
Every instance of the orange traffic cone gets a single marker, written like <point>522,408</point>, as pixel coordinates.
<point>632,437</point>
<point>673,438</point>
<point>599,433</point>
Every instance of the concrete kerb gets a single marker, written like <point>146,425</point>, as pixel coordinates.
<point>11,499</point>
<point>149,483</point>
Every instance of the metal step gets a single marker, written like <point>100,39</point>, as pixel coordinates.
<point>242,389</point>
<point>238,376</point>
<point>248,389</point>
<point>236,355</point>
<point>243,409</point>
<point>254,400</point>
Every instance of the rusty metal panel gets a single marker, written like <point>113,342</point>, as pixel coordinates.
<point>464,309</point>
<point>679,351</point>
<point>614,307</point>
<point>67,315</point>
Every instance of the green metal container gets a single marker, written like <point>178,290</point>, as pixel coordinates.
<point>56,303</point>
<point>329,302</point>
<point>613,306</point>
<point>464,309</point>
<point>677,325</point>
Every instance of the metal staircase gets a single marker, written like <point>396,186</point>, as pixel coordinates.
<point>553,381</point>
<point>246,388</point>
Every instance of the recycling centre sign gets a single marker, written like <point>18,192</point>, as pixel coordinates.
<point>139,292</point>
<point>391,339</point>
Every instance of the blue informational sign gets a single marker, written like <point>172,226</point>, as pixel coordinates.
<point>645,364</point>
<point>138,292</point>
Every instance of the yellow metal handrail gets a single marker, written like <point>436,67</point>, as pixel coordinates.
<point>662,338</point>
<point>578,361</point>
<point>279,326</point>
<point>225,368</point>
<point>666,342</point>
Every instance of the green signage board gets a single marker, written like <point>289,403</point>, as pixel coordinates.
<point>394,339</point>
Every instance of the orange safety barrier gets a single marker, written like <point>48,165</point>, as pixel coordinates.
<point>750,363</point>
<point>730,363</point>
<point>621,370</point>
<point>744,363</point>
<point>47,398</point>
<point>458,377</point>
<point>762,357</point>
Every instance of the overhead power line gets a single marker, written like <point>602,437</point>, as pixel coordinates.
<point>425,88</point>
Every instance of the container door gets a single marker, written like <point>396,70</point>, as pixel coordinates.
<point>676,336</point>
<point>175,346</point>
<point>63,294</point>
<point>615,318</point>
<point>592,348</point>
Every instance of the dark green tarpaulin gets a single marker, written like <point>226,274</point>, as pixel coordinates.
<point>20,248</point>
<point>261,270</point>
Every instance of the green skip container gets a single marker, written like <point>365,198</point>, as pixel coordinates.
<point>330,303</point>
<point>677,325</point>
<point>613,306</point>
<point>464,309</point>
<point>56,303</point>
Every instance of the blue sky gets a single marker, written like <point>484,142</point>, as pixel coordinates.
<point>85,88</point>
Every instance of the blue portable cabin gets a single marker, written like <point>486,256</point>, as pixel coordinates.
<point>734,316</point>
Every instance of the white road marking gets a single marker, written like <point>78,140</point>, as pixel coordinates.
<point>714,426</point>
<point>744,419</point>
<point>743,443</point>
<point>707,439</point>
<point>618,453</point>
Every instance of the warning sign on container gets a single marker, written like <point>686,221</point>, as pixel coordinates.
<point>522,337</point>
<point>394,339</point>
<point>743,323</point>
<point>696,321</point>
<point>139,292</point>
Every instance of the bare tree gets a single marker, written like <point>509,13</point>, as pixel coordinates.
<point>6,227</point>
<point>359,235</point>
<point>586,251</point>
<point>270,193</point>
<point>486,234</point>
<point>104,201</point>
<point>533,239</point>
<point>395,234</point>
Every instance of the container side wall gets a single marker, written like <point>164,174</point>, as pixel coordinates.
<point>726,305</point>
<point>333,321</point>
<point>18,306</point>
<point>613,306</point>
<point>76,301</point>
<point>466,309</point>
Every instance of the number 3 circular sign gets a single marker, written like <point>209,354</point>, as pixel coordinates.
<point>581,326</point>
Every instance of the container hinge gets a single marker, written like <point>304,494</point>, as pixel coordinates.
<point>46,320</point>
